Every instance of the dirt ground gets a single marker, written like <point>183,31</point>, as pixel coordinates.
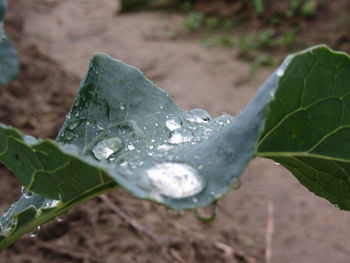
<point>56,40</point>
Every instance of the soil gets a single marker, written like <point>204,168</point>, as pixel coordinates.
<point>55,41</point>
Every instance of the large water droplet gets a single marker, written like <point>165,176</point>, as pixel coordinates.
<point>173,123</point>
<point>199,116</point>
<point>175,180</point>
<point>107,147</point>
<point>180,136</point>
<point>35,232</point>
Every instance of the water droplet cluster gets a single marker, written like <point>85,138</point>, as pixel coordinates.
<point>148,154</point>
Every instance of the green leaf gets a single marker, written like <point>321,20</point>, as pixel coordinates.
<point>308,124</point>
<point>124,131</point>
<point>115,101</point>
<point>8,56</point>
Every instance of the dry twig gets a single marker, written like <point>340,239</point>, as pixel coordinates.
<point>269,231</point>
<point>136,226</point>
<point>228,250</point>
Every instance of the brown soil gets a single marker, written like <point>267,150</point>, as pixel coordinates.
<point>55,40</point>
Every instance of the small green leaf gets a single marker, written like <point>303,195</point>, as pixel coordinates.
<point>308,124</point>
<point>8,56</point>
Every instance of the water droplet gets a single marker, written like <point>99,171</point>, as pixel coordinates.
<point>276,163</point>
<point>207,214</point>
<point>25,193</point>
<point>200,167</point>
<point>175,180</point>
<point>198,116</point>
<point>35,232</point>
<point>107,147</point>
<point>151,147</point>
<point>122,106</point>
<point>68,116</point>
<point>180,136</point>
<point>131,147</point>
<point>164,147</point>
<point>280,72</point>
<point>124,164</point>
<point>73,124</point>
<point>100,126</point>
<point>237,184</point>
<point>194,200</point>
<point>51,203</point>
<point>60,218</point>
<point>208,132</point>
<point>173,123</point>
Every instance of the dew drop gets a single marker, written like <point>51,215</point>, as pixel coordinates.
<point>175,180</point>
<point>107,147</point>
<point>25,193</point>
<point>280,72</point>
<point>278,164</point>
<point>60,218</point>
<point>208,132</point>
<point>35,232</point>
<point>237,184</point>
<point>131,147</point>
<point>207,214</point>
<point>100,126</point>
<point>164,147</point>
<point>122,106</point>
<point>198,116</point>
<point>51,203</point>
<point>173,123</point>
<point>72,125</point>
<point>180,136</point>
<point>124,164</point>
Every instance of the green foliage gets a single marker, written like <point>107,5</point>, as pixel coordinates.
<point>8,55</point>
<point>309,8</point>
<point>124,131</point>
<point>258,6</point>
<point>194,21</point>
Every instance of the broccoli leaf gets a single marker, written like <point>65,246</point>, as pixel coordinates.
<point>308,124</point>
<point>124,131</point>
